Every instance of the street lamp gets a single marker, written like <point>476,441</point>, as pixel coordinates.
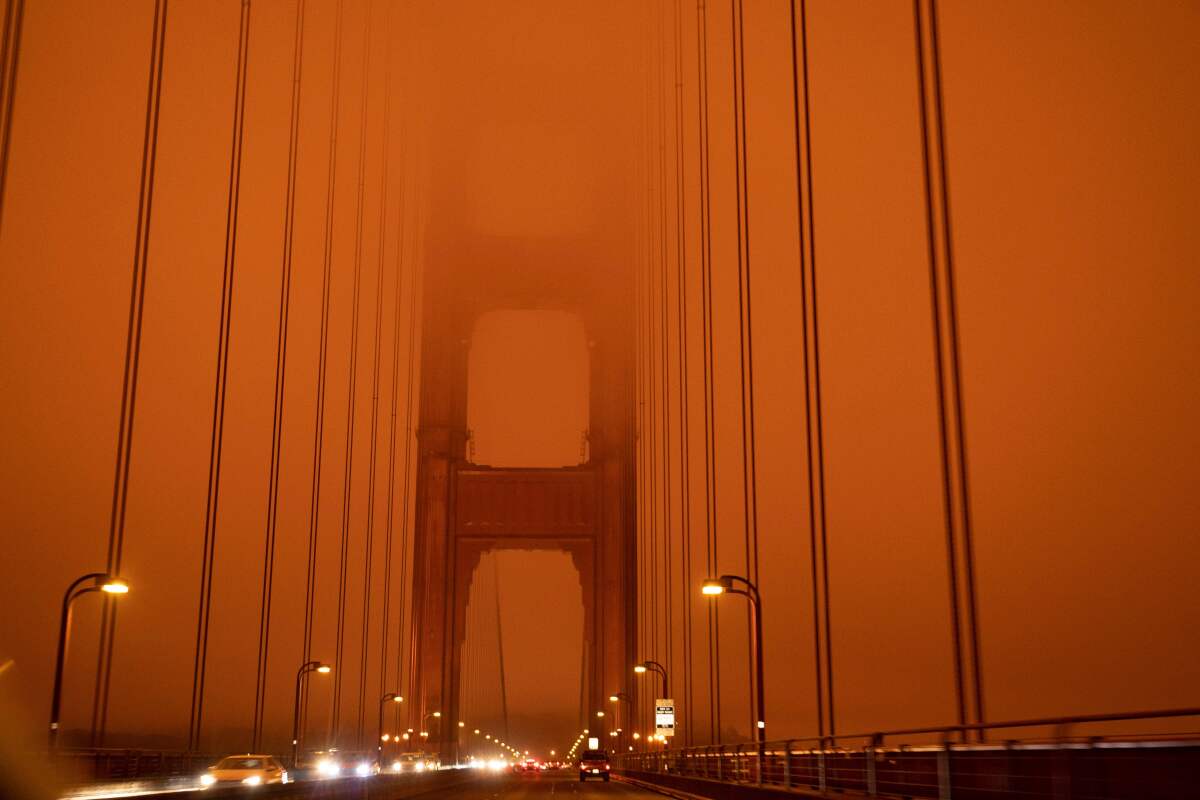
<point>729,584</point>
<point>91,582</point>
<point>305,668</point>
<point>390,697</point>
<point>654,666</point>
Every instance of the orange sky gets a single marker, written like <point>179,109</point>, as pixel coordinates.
<point>1071,130</point>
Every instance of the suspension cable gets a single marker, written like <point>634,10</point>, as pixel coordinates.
<point>322,360</point>
<point>385,629</point>
<point>208,555</point>
<point>710,438</point>
<point>956,497</point>
<point>133,350</point>
<point>663,317</point>
<point>745,324</point>
<point>814,427</point>
<point>684,408</point>
<point>370,533</point>
<point>351,393</point>
<point>281,343</point>
<point>10,59</point>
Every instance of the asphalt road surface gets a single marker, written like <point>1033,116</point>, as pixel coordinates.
<point>557,785</point>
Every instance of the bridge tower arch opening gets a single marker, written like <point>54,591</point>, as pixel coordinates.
<point>581,503</point>
<point>522,654</point>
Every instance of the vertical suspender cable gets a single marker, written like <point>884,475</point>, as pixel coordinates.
<point>745,324</point>
<point>684,408</point>
<point>208,554</point>
<point>10,59</point>
<point>351,392</point>
<point>409,490</point>
<point>369,546</point>
<point>956,498</point>
<point>385,624</point>
<point>814,428</point>
<point>281,342</point>
<point>133,350</point>
<point>499,652</point>
<point>314,512</point>
<point>710,439</point>
<point>664,297</point>
<point>405,505</point>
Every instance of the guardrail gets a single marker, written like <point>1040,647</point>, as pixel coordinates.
<point>129,764</point>
<point>929,763</point>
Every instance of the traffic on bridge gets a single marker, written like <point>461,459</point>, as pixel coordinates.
<point>519,399</point>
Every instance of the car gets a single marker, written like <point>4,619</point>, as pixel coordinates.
<point>529,766</point>
<point>417,761</point>
<point>593,764</point>
<point>358,763</point>
<point>248,769</point>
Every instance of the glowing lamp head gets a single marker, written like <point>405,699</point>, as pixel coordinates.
<point>462,724</point>
<point>714,586</point>
<point>639,668</point>
<point>612,698</point>
<point>477,731</point>
<point>324,669</point>
<point>113,585</point>
<point>397,699</point>
<point>437,715</point>
<point>599,713</point>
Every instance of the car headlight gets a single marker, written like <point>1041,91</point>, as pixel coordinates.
<point>362,770</point>
<point>253,780</point>
<point>419,766</point>
<point>207,780</point>
<point>328,768</point>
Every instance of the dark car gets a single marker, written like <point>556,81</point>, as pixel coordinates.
<point>593,764</point>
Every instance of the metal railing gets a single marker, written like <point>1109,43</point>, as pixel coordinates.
<point>95,764</point>
<point>1052,763</point>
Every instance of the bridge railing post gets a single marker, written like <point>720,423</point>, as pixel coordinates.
<point>869,758</point>
<point>787,764</point>
<point>869,755</point>
<point>943,768</point>
<point>822,778</point>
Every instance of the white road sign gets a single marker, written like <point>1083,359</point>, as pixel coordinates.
<point>664,716</point>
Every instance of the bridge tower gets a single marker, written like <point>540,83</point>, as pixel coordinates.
<point>464,510</point>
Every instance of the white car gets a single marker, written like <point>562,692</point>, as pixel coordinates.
<point>244,770</point>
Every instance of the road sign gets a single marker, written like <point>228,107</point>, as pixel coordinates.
<point>664,716</point>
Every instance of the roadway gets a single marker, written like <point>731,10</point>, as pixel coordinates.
<point>555,785</point>
<point>442,785</point>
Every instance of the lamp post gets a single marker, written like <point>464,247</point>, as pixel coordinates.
<point>390,697</point>
<point>91,582</point>
<point>616,699</point>
<point>654,666</point>
<point>732,584</point>
<point>305,668</point>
